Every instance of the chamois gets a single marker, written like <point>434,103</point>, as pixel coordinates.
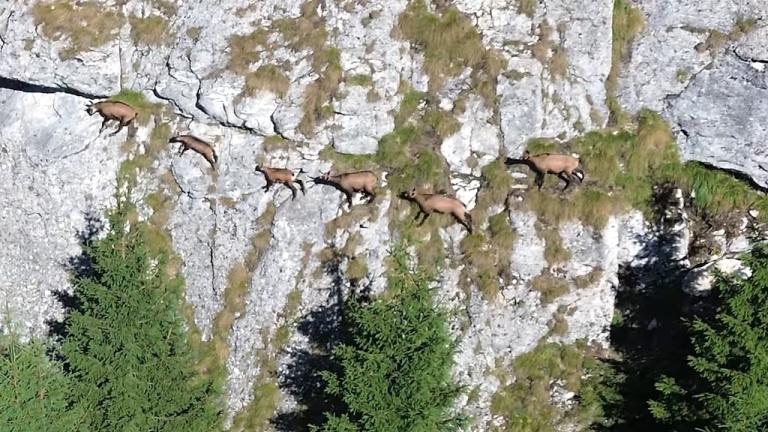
<point>120,112</point>
<point>437,203</point>
<point>350,183</point>
<point>199,146</point>
<point>565,167</point>
<point>282,176</point>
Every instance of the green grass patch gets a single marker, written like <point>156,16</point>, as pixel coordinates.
<point>526,404</point>
<point>362,80</point>
<point>244,50</point>
<point>137,100</point>
<point>84,24</point>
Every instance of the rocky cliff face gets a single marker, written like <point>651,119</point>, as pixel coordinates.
<point>301,84</point>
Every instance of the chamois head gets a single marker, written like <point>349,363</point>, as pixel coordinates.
<point>526,155</point>
<point>257,168</point>
<point>411,194</point>
<point>326,176</point>
<point>90,109</point>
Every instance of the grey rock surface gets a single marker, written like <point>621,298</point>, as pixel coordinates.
<point>55,171</point>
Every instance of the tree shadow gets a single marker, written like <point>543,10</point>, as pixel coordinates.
<point>649,334</point>
<point>325,329</point>
<point>79,267</point>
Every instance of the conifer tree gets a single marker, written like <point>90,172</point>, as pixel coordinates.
<point>125,346</point>
<point>728,387</point>
<point>33,390</point>
<point>395,373</point>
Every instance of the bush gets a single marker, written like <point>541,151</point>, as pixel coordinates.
<point>395,371</point>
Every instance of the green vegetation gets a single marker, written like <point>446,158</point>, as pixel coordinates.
<point>149,31</point>
<point>85,24</point>
<point>34,390</point>
<point>526,404</point>
<point>125,346</point>
<point>395,371</point>
<point>588,280</point>
<point>727,383</point>
<point>450,44</point>
<point>487,255</point>
<point>682,75</point>
<point>362,80</point>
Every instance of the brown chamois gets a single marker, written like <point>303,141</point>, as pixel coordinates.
<point>199,146</point>
<point>437,203</point>
<point>351,183</point>
<point>120,112</point>
<point>566,167</point>
<point>283,176</point>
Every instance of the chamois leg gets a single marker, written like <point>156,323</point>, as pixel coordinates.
<point>349,199</point>
<point>301,185</point>
<point>424,219</point>
<point>576,173</point>
<point>103,125</point>
<point>211,161</point>
<point>268,185</point>
<point>418,213</point>
<point>564,177</point>
<point>120,125</point>
<point>539,180</point>
<point>371,196</point>
<point>293,190</point>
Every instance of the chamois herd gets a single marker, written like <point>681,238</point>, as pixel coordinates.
<point>565,167</point>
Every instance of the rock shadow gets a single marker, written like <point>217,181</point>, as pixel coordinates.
<point>649,333</point>
<point>79,267</point>
<point>301,377</point>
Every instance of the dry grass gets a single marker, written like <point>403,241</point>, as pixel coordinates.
<point>362,80</point>
<point>318,95</point>
<point>555,251</point>
<point>450,43</point>
<point>194,33</point>
<point>267,77</point>
<point>149,31</point>
<point>558,64</point>
<point>244,50</point>
<point>527,7</point>
<point>588,280</point>
<point>558,326</point>
<point>550,286</point>
<point>628,22</point>
<point>85,24</point>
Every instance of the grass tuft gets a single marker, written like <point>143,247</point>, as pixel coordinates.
<point>84,24</point>
<point>267,77</point>
<point>149,31</point>
<point>450,44</point>
<point>628,22</point>
<point>550,286</point>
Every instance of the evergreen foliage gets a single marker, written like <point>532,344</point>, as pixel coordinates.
<point>395,371</point>
<point>125,346</point>
<point>728,386</point>
<point>33,390</point>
